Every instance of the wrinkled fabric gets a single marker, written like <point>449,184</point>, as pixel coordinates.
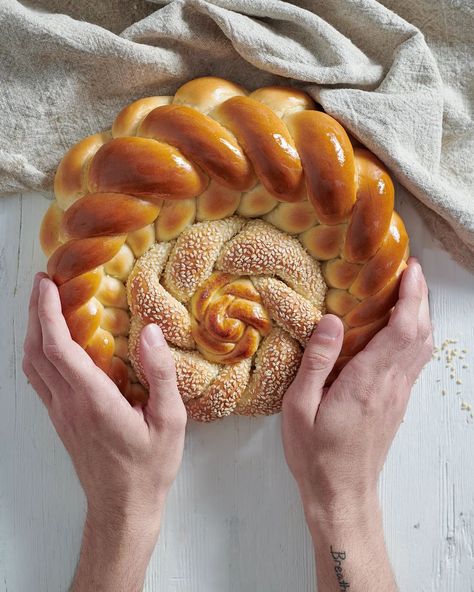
<point>397,74</point>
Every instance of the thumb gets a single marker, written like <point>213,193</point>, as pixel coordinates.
<point>164,403</point>
<point>321,353</point>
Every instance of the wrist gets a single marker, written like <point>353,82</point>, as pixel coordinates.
<point>342,512</point>
<point>123,523</point>
<point>349,546</point>
<point>116,548</point>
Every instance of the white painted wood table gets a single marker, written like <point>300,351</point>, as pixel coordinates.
<point>233,520</point>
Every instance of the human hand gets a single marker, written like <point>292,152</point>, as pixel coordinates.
<point>126,457</point>
<point>336,440</point>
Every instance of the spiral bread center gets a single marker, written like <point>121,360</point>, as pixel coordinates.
<point>228,318</point>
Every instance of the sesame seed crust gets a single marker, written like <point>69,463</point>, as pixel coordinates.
<point>152,303</point>
<point>261,249</point>
<point>287,308</point>
<point>193,257</point>
<point>276,364</point>
<point>194,374</point>
<point>169,282</point>
<point>222,396</point>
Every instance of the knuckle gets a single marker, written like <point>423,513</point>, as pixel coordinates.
<point>425,331</point>
<point>53,352</point>
<point>60,420</point>
<point>26,367</point>
<point>179,420</point>
<point>381,365</point>
<point>366,372</point>
<point>405,335</point>
<point>367,399</point>
<point>295,412</point>
<point>316,359</point>
<point>427,350</point>
<point>165,371</point>
<point>29,350</point>
<point>173,423</point>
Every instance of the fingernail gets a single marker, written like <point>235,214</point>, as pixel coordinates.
<point>417,269</point>
<point>153,336</point>
<point>43,284</point>
<point>329,327</point>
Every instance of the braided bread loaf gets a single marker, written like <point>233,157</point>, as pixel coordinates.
<point>209,213</point>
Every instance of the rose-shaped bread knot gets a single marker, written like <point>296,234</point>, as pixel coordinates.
<point>228,318</point>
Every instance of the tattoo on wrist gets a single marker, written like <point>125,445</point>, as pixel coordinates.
<point>338,557</point>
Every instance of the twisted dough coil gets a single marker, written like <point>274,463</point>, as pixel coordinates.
<point>217,206</point>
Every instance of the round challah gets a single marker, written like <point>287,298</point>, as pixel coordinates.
<point>232,220</point>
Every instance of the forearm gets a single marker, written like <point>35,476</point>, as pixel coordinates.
<point>115,554</point>
<point>350,550</point>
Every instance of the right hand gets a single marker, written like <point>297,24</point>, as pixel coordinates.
<point>336,440</point>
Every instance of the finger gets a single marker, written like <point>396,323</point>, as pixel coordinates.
<point>33,338</point>
<point>164,406</point>
<point>405,314</point>
<point>70,360</point>
<point>425,328</point>
<point>35,360</point>
<point>396,341</point>
<point>424,352</point>
<point>321,353</point>
<point>37,382</point>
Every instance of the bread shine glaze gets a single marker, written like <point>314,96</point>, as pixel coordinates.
<point>234,220</point>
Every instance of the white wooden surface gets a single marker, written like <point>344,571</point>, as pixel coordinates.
<point>233,521</point>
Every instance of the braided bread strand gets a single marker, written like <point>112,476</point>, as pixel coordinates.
<point>207,153</point>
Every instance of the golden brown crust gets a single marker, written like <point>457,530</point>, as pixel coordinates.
<point>127,121</point>
<point>206,93</point>
<point>221,397</point>
<point>78,290</point>
<point>203,141</point>
<point>79,256</point>
<point>194,374</point>
<point>268,144</point>
<point>228,318</point>
<point>372,211</point>
<point>330,180</point>
<point>214,182</point>
<point>51,229</point>
<point>120,214</point>
<point>140,166</point>
<point>70,182</point>
<point>283,100</point>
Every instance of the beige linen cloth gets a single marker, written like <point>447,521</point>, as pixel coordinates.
<point>397,73</point>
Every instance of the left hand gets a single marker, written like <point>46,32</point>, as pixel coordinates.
<point>126,457</point>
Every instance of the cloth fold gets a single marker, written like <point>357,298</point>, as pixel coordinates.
<point>396,73</point>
